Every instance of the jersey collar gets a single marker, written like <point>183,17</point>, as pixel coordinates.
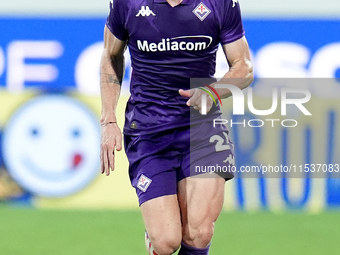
<point>164,1</point>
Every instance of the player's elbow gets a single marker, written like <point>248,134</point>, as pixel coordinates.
<point>105,61</point>
<point>249,72</point>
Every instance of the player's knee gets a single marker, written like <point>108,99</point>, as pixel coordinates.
<point>198,235</point>
<point>166,244</point>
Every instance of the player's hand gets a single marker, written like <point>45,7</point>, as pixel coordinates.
<point>195,99</point>
<point>111,140</point>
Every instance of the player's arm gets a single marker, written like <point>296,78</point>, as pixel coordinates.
<point>240,74</point>
<point>111,76</point>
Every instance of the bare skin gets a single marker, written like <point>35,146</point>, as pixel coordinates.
<point>162,220</point>
<point>174,3</point>
<point>201,201</point>
<point>111,75</point>
<point>240,73</point>
<point>188,216</point>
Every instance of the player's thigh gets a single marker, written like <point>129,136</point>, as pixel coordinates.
<point>162,219</point>
<point>201,201</point>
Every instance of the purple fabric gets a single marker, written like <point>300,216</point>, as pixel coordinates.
<point>168,46</point>
<point>188,250</point>
<point>159,161</point>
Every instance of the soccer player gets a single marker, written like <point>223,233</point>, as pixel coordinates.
<point>171,41</point>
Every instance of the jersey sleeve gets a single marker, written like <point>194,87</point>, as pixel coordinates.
<point>116,20</point>
<point>232,26</point>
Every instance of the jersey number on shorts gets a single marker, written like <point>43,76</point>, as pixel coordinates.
<point>220,145</point>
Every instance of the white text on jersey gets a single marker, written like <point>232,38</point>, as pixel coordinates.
<point>176,44</point>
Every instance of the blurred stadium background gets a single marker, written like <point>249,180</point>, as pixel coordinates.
<point>52,198</point>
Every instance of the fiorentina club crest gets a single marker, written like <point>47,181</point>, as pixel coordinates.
<point>143,183</point>
<point>201,11</point>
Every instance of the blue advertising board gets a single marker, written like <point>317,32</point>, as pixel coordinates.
<point>57,53</point>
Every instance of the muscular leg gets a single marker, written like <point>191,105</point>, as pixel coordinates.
<point>201,201</point>
<point>163,223</point>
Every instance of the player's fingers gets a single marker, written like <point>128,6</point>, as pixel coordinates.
<point>107,169</point>
<point>208,105</point>
<point>111,161</point>
<point>193,95</point>
<point>119,143</point>
<point>106,160</point>
<point>184,93</point>
<point>196,101</point>
<point>102,168</point>
<point>195,98</point>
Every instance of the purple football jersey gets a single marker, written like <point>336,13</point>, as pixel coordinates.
<point>168,46</point>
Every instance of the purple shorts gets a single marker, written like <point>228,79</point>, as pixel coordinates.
<point>157,162</point>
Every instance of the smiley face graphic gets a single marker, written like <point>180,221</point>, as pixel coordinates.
<point>51,146</point>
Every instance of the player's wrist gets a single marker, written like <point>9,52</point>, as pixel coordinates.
<point>108,118</point>
<point>108,123</point>
<point>213,92</point>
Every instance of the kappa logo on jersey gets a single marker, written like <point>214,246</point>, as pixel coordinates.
<point>143,183</point>
<point>234,3</point>
<point>145,11</point>
<point>201,11</point>
<point>230,159</point>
